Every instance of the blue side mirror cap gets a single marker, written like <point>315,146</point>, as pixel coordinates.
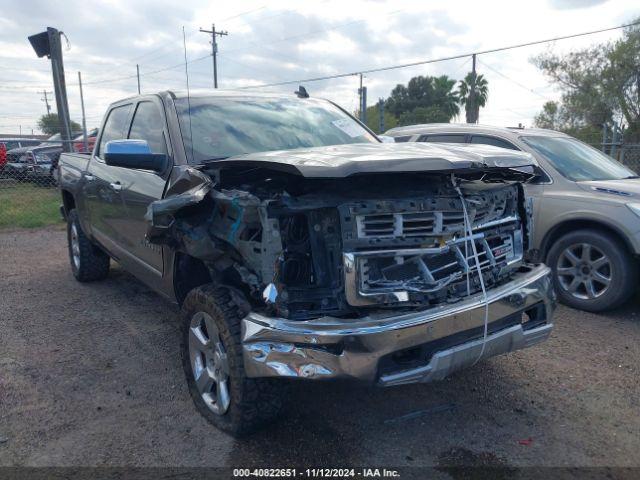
<point>127,146</point>
<point>129,153</point>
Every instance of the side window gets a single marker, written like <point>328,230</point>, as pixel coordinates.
<point>115,126</point>
<point>496,142</point>
<point>147,125</point>
<point>406,138</point>
<point>443,138</point>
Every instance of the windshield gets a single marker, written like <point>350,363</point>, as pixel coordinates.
<point>578,161</point>
<point>223,127</point>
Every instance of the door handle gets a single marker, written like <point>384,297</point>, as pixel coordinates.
<point>117,186</point>
<point>88,178</point>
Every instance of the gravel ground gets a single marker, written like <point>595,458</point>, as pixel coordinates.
<point>90,376</point>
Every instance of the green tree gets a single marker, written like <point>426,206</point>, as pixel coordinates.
<point>554,116</point>
<point>50,124</point>
<point>425,91</point>
<point>598,85</point>
<point>430,114</point>
<point>473,93</point>
<point>549,117</point>
<point>373,119</point>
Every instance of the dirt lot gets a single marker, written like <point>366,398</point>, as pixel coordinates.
<point>90,375</point>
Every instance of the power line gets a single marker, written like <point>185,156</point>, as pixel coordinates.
<point>442,59</point>
<point>128,77</point>
<point>244,13</point>
<point>515,81</point>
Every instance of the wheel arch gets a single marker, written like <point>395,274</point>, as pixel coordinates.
<point>188,273</point>
<point>68,201</point>
<point>582,223</point>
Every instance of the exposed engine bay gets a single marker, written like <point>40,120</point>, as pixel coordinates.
<point>301,247</point>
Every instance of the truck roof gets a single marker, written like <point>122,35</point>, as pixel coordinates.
<point>199,93</point>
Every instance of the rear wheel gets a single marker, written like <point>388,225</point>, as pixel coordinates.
<point>592,271</point>
<point>88,262</point>
<point>214,367</point>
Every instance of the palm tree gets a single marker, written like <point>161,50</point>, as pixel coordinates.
<point>445,97</point>
<point>473,92</point>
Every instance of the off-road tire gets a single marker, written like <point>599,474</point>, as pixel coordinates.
<point>93,262</point>
<point>254,402</point>
<point>623,270</point>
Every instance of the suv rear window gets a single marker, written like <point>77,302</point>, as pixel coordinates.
<point>496,142</point>
<point>443,138</point>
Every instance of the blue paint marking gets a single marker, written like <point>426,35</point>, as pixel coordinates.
<point>236,224</point>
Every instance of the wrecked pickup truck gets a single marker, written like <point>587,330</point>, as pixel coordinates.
<point>301,247</point>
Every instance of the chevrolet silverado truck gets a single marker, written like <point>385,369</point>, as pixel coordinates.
<point>299,246</point>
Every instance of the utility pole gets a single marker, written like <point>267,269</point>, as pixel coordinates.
<point>84,119</point>
<point>362,94</point>
<point>138,75</point>
<point>472,91</point>
<point>363,107</point>
<point>48,44</point>
<point>360,98</point>
<point>60,86</point>
<point>46,101</point>
<point>214,50</point>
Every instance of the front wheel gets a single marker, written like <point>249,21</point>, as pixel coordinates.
<point>214,367</point>
<point>592,271</point>
<point>88,262</point>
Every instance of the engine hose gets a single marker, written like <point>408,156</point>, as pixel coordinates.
<point>469,232</point>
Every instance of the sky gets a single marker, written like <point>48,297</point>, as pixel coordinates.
<point>282,40</point>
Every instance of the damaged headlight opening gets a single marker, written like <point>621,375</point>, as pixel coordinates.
<point>301,248</point>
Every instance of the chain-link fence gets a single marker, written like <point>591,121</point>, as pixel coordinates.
<point>629,155</point>
<point>29,196</point>
<point>28,193</point>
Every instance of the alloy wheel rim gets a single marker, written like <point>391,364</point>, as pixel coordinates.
<point>75,246</point>
<point>209,363</point>
<point>584,271</point>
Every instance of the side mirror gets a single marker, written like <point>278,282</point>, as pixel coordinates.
<point>387,139</point>
<point>133,154</point>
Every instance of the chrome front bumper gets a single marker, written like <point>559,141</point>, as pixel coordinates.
<point>366,348</point>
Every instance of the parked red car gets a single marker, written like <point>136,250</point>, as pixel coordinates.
<point>78,142</point>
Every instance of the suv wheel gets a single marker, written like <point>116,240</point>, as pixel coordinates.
<point>88,262</point>
<point>214,367</point>
<point>592,271</point>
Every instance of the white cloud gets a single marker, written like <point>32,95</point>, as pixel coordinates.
<point>289,40</point>
<point>333,44</point>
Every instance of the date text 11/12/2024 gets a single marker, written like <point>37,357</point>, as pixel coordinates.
<point>315,473</point>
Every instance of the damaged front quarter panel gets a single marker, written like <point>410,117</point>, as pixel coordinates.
<point>222,227</point>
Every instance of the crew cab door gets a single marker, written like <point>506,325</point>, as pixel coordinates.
<point>141,187</point>
<point>102,186</point>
